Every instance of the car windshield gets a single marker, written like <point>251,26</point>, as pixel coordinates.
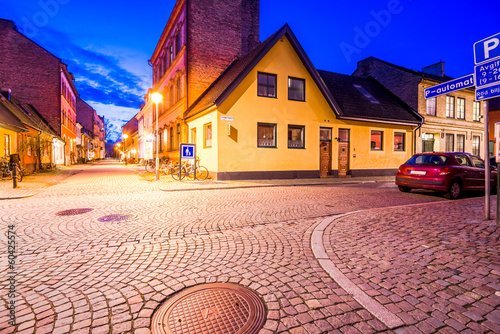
<point>428,160</point>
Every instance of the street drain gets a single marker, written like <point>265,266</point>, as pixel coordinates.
<point>211,308</point>
<point>73,212</point>
<point>115,218</point>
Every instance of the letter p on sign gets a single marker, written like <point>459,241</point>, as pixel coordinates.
<point>487,49</point>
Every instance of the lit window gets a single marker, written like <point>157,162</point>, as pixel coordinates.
<point>475,145</point>
<point>366,94</point>
<point>450,106</point>
<point>266,135</point>
<point>399,141</point>
<point>6,145</point>
<point>296,89</point>
<point>193,136</point>
<point>296,134</point>
<point>477,111</point>
<point>376,141</point>
<point>207,134</point>
<point>460,108</point>
<point>266,85</point>
<point>450,142</point>
<point>460,143</point>
<point>431,106</point>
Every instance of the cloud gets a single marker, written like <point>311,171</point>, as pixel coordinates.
<point>98,76</point>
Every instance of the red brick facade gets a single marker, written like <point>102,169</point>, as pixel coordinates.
<point>217,32</point>
<point>31,72</point>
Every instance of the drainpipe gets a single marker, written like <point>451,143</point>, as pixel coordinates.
<point>415,139</point>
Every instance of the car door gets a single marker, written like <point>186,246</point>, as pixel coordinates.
<point>479,166</point>
<point>470,175</point>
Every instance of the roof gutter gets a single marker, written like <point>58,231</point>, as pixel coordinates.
<point>380,121</point>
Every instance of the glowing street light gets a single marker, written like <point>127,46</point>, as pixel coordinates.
<point>157,98</point>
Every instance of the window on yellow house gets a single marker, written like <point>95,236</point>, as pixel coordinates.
<point>207,135</point>
<point>266,135</point>
<point>6,145</point>
<point>376,140</point>
<point>296,89</point>
<point>266,84</point>
<point>193,136</point>
<point>178,135</point>
<point>171,131</point>
<point>296,136</point>
<point>399,141</point>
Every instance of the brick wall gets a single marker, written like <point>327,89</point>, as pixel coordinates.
<point>31,72</point>
<point>217,32</point>
<point>85,115</point>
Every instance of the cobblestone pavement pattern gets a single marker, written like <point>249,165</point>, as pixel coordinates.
<point>435,265</point>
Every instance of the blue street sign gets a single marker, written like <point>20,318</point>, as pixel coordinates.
<point>487,49</point>
<point>488,73</point>
<point>450,86</point>
<point>187,151</point>
<point>488,92</point>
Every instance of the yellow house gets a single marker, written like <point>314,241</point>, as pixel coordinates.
<point>271,114</point>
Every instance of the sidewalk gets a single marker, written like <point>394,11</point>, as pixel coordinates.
<point>167,183</point>
<point>35,183</point>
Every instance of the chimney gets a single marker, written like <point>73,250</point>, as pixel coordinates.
<point>6,93</point>
<point>435,69</point>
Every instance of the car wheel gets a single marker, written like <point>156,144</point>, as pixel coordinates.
<point>404,189</point>
<point>455,190</point>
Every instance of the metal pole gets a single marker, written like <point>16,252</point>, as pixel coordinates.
<point>14,175</point>
<point>486,162</point>
<point>157,149</point>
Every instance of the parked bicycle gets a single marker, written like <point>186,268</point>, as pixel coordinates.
<point>7,173</point>
<point>189,170</point>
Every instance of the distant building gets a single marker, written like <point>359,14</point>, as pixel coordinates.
<point>200,40</point>
<point>93,128</point>
<point>39,78</point>
<point>452,121</point>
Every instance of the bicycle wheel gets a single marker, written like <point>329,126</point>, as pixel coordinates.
<point>175,173</point>
<point>150,167</point>
<point>201,173</point>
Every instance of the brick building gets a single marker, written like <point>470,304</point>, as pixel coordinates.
<point>39,78</point>
<point>452,121</point>
<point>200,40</point>
<point>93,128</point>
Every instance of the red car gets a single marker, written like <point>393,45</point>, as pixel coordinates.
<point>450,173</point>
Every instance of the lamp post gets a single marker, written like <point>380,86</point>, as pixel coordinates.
<point>157,98</point>
<point>125,136</point>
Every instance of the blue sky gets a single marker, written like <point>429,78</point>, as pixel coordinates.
<point>107,43</point>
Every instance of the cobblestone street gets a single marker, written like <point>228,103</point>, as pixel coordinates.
<point>326,257</point>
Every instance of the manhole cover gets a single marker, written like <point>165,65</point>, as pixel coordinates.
<point>116,218</point>
<point>73,212</point>
<point>211,308</point>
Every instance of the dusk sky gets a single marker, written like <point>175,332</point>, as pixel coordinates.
<point>107,43</point>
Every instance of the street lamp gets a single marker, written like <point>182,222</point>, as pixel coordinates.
<point>157,98</point>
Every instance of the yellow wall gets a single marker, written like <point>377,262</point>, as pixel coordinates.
<point>13,141</point>
<point>237,151</point>
<point>208,156</point>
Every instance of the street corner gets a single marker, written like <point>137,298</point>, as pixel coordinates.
<point>427,266</point>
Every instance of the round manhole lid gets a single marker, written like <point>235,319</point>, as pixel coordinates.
<point>211,308</point>
<point>73,212</point>
<point>116,218</point>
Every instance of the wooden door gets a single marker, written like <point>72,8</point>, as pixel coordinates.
<point>325,152</point>
<point>343,152</point>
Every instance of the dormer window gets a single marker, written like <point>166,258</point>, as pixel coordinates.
<point>366,94</point>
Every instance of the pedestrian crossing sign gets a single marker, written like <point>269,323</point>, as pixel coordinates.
<point>188,151</point>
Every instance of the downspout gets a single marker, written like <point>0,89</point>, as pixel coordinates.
<point>415,138</point>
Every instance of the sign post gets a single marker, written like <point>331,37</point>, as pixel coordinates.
<point>188,152</point>
<point>486,72</point>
